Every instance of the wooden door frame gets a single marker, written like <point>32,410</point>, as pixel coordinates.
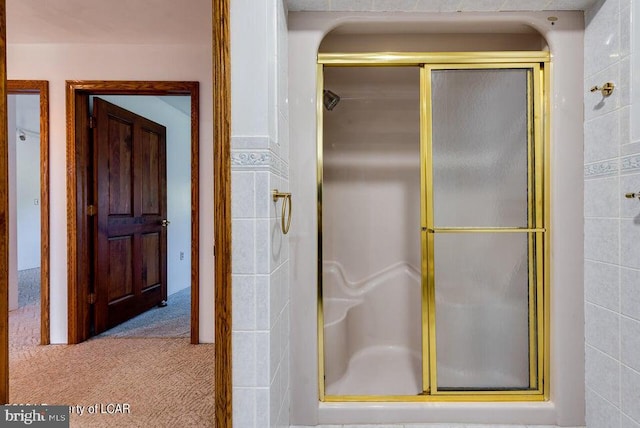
<point>41,88</point>
<point>4,214</point>
<point>78,243</point>
<point>222,210</point>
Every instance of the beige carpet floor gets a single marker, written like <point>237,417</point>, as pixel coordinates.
<point>166,382</point>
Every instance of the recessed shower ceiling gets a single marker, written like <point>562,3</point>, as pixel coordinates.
<point>437,5</point>
<point>109,21</point>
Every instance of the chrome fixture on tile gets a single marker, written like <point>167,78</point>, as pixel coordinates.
<point>606,89</point>
<point>632,195</point>
<point>286,213</point>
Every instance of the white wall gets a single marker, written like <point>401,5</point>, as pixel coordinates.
<point>59,62</point>
<point>13,225</point>
<point>178,142</point>
<point>28,180</point>
<point>612,231</point>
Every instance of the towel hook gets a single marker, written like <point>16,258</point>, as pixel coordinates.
<point>286,202</point>
<point>632,195</point>
<point>606,89</point>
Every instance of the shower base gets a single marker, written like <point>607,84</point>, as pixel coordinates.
<point>380,370</point>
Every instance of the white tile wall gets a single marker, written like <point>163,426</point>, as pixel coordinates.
<point>612,231</point>
<point>601,139</point>
<point>630,293</point>
<point>602,329</point>
<point>394,5</point>
<point>630,392</point>
<point>525,4</point>
<point>249,79</point>
<point>480,5</point>
<point>600,412</point>
<point>601,241</point>
<point>627,422</point>
<point>260,251</point>
<point>635,78</point>
<point>569,4</point>
<point>351,5</point>
<point>629,248</point>
<point>602,375</point>
<point>630,344</point>
<point>607,204</point>
<point>601,284</point>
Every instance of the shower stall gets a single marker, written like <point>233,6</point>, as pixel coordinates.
<point>432,226</point>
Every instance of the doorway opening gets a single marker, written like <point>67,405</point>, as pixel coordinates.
<point>29,135</point>
<point>145,249</point>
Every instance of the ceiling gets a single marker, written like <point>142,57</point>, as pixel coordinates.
<point>165,22</point>
<point>180,103</point>
<point>109,21</point>
<point>437,5</point>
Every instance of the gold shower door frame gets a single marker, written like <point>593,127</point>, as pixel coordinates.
<point>537,64</point>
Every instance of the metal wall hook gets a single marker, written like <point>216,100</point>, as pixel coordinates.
<point>606,89</point>
<point>632,195</point>
<point>286,202</point>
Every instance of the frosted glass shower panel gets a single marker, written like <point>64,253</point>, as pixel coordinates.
<point>371,279</point>
<point>482,311</point>
<point>480,147</point>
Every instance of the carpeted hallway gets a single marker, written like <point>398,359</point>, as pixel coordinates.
<point>165,381</point>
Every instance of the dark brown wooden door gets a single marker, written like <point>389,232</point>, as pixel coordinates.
<point>131,239</point>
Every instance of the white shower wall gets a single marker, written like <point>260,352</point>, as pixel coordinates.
<point>371,181</point>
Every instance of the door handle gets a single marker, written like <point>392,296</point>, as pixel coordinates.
<point>165,222</point>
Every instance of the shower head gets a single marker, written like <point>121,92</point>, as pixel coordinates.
<point>330,99</point>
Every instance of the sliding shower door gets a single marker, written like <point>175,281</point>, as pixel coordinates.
<point>371,257</point>
<point>483,226</point>
<point>433,227</point>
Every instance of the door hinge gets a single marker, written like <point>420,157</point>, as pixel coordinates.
<point>92,298</point>
<point>91,210</point>
<point>92,122</point>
